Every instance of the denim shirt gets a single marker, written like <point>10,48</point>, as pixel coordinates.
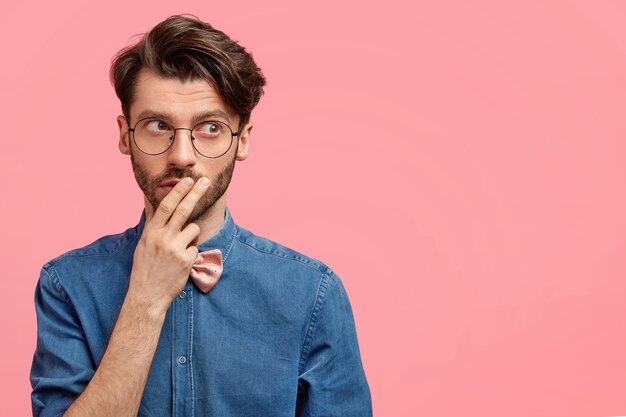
<point>275,337</point>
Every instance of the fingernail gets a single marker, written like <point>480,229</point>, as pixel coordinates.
<point>203,181</point>
<point>187,182</point>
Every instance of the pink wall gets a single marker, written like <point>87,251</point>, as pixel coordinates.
<point>480,145</point>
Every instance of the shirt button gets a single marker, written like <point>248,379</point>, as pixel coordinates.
<point>182,360</point>
<point>182,294</point>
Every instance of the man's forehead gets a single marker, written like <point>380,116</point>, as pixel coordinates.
<point>170,95</point>
<point>155,86</point>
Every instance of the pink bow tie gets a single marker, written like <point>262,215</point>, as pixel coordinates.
<point>207,269</point>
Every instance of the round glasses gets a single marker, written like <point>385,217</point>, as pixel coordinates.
<point>210,138</point>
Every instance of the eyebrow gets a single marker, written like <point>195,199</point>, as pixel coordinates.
<point>197,118</point>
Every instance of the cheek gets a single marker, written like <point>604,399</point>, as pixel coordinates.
<point>144,169</point>
<point>211,169</point>
<point>150,165</point>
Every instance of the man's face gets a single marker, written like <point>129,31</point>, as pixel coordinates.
<point>178,103</point>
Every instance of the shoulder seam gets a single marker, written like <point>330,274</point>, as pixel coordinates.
<point>54,279</point>
<point>315,264</point>
<point>322,291</point>
<point>80,252</point>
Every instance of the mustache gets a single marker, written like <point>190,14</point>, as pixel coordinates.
<point>177,173</point>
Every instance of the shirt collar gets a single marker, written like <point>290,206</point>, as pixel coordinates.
<point>222,239</point>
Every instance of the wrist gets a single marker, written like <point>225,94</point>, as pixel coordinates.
<point>139,303</point>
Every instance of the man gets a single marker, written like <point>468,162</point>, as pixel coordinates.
<point>187,313</point>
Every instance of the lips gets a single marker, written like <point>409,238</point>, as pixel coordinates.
<point>170,183</point>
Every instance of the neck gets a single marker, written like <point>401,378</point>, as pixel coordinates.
<point>212,220</point>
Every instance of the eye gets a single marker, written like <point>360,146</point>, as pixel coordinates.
<point>209,128</point>
<point>156,126</point>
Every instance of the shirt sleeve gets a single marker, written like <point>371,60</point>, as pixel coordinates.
<point>62,364</point>
<point>331,380</point>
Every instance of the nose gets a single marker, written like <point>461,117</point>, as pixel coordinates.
<point>182,153</point>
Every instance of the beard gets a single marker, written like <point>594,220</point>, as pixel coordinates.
<point>150,186</point>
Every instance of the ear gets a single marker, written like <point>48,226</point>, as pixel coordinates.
<point>243,138</point>
<point>124,144</point>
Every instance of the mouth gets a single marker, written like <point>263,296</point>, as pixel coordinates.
<point>170,183</point>
<point>167,188</point>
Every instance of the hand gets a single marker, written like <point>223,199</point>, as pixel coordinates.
<point>165,253</point>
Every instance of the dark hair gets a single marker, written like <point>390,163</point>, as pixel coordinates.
<point>187,48</point>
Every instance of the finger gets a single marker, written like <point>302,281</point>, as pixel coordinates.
<point>189,235</point>
<point>170,202</point>
<point>192,251</point>
<point>185,207</point>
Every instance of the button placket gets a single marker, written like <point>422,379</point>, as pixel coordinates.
<point>181,352</point>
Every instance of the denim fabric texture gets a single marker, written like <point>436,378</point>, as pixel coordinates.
<point>275,337</point>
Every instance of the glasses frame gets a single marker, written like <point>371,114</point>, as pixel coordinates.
<point>173,137</point>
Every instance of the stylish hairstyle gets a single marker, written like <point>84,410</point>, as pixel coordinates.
<point>187,48</point>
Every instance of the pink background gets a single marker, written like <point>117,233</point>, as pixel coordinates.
<point>479,145</point>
